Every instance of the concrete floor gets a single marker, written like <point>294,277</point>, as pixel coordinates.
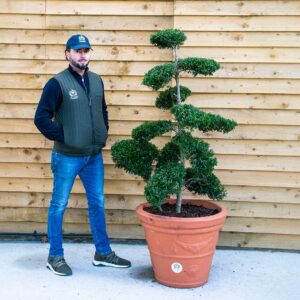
<point>235,275</point>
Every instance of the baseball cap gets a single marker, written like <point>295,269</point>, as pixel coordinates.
<point>78,41</point>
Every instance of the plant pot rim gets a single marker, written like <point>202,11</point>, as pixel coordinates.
<point>220,215</point>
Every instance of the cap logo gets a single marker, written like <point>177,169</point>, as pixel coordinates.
<point>81,39</point>
<point>73,94</point>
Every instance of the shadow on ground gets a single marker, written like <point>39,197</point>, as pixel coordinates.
<point>143,273</point>
<point>31,262</point>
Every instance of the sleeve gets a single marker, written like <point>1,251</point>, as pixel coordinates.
<point>104,108</point>
<point>50,101</point>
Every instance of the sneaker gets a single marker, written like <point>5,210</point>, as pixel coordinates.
<point>59,266</point>
<point>111,260</point>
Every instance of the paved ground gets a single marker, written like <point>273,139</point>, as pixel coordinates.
<point>235,275</point>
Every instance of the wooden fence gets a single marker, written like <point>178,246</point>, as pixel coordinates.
<point>257,44</point>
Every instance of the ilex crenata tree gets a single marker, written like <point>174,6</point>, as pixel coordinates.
<point>164,170</point>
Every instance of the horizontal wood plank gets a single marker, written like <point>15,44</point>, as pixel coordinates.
<point>23,6</point>
<point>72,215</point>
<point>117,177</point>
<point>80,216</point>
<point>110,8</point>
<point>111,22</point>
<point>241,8</point>
<point>263,210</point>
<point>140,53</point>
<point>39,167</point>
<point>258,132</point>
<point>87,7</point>
<point>77,200</point>
<point>22,21</point>
<point>147,98</point>
<point>243,150</point>
<point>128,187</point>
<point>117,231</point>
<point>262,225</point>
<point>229,85</point>
<point>244,54</point>
<point>19,51</point>
<point>238,194</point>
<point>257,137</point>
<point>198,85</point>
<point>77,22</point>
<point>248,194</point>
<point>243,23</point>
<point>59,37</point>
<point>142,113</point>
<point>258,240</point>
<point>130,68</point>
<point>218,38</point>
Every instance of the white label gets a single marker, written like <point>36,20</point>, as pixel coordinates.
<point>176,267</point>
<point>81,39</point>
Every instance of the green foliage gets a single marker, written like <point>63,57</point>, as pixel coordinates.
<point>166,180</point>
<point>204,184</point>
<point>168,38</point>
<point>197,151</point>
<point>205,163</point>
<point>150,130</point>
<point>159,76</point>
<point>168,176</point>
<point>170,153</point>
<point>189,116</point>
<point>135,157</point>
<point>197,65</point>
<point>168,98</point>
<point>188,144</point>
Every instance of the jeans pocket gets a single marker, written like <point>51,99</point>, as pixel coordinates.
<point>54,161</point>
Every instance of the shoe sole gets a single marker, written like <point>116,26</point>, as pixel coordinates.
<point>106,264</point>
<point>56,273</point>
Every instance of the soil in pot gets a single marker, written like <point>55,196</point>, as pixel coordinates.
<point>187,211</point>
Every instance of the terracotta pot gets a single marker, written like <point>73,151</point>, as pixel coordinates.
<point>182,249</point>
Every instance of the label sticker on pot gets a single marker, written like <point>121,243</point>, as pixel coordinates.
<point>176,267</point>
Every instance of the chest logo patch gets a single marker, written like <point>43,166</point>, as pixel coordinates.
<point>73,94</point>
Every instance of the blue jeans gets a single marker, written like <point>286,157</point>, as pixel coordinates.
<point>91,172</point>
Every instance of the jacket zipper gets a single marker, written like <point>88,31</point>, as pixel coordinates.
<point>91,113</point>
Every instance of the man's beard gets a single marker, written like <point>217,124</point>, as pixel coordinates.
<point>79,65</point>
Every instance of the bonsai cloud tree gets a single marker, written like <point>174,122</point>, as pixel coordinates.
<point>164,170</point>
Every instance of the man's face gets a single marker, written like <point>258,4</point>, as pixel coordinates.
<point>79,58</point>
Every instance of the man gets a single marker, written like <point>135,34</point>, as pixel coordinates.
<point>75,100</point>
